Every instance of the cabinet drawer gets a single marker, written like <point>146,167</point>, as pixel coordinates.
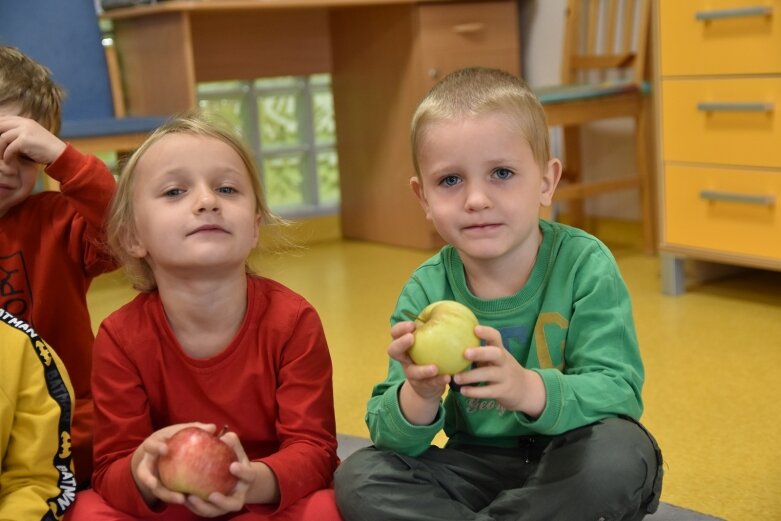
<point>731,211</point>
<point>727,130</point>
<point>453,36</point>
<point>720,37</point>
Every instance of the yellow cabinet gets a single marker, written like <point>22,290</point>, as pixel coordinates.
<point>719,87</point>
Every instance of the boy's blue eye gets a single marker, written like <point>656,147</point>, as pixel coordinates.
<point>450,180</point>
<point>503,173</point>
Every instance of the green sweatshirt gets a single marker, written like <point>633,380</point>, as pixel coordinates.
<point>571,323</point>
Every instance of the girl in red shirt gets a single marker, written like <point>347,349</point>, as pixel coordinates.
<point>206,343</point>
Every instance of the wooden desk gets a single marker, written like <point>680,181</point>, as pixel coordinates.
<point>383,55</point>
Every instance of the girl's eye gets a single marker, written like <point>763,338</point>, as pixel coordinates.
<point>450,180</point>
<point>227,190</point>
<point>173,192</point>
<point>503,173</point>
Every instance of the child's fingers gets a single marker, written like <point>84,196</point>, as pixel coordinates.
<point>399,348</point>
<point>486,373</point>
<point>401,328</point>
<point>482,392</point>
<point>420,372</point>
<point>244,472</point>
<point>491,335</point>
<point>485,354</point>
<point>232,439</point>
<point>205,508</point>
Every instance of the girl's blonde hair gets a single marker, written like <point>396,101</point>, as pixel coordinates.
<point>477,91</point>
<point>120,225</point>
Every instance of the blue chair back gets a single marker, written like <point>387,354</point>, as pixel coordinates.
<point>63,35</point>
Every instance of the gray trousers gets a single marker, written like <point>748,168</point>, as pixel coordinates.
<point>609,471</point>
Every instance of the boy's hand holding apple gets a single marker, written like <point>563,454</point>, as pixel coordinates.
<point>502,377</point>
<point>430,350</point>
<point>425,379</point>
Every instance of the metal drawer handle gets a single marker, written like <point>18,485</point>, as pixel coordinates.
<point>735,107</point>
<point>469,28</point>
<point>738,12</point>
<point>732,197</point>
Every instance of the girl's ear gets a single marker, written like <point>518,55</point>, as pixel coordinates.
<point>132,245</point>
<point>417,189</point>
<point>258,222</point>
<point>550,179</point>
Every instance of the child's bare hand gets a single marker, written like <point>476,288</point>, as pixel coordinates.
<point>422,378</point>
<point>219,504</point>
<point>504,379</point>
<point>26,138</point>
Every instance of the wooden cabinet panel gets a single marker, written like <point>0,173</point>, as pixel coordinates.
<point>734,121</point>
<point>377,88</point>
<point>383,56</point>
<point>462,35</point>
<point>719,37</point>
<point>726,210</point>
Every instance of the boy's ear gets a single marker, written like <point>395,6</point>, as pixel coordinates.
<point>550,180</point>
<point>417,189</point>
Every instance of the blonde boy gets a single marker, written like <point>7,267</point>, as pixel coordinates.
<point>543,425</point>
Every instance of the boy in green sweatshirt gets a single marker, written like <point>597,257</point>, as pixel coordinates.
<point>544,424</point>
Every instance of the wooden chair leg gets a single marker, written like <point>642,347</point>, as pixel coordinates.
<point>645,171</point>
<point>573,171</point>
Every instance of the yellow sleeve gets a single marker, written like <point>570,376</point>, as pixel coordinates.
<point>36,400</point>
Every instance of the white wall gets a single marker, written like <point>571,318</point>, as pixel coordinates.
<point>608,146</point>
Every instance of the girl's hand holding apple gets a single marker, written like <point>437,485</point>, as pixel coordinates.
<point>146,472</point>
<point>143,465</point>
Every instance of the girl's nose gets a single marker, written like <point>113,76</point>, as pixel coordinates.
<point>206,201</point>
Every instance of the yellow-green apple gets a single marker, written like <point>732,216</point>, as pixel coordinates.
<point>443,330</point>
<point>197,462</point>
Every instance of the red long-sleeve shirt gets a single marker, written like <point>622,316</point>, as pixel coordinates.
<point>271,385</point>
<point>51,247</point>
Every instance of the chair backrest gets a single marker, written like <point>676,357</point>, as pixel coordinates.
<point>63,35</point>
<point>605,40</point>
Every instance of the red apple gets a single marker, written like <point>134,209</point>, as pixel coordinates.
<point>197,462</point>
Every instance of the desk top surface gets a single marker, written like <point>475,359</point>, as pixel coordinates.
<point>227,5</point>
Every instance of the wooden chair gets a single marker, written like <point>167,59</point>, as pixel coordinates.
<point>604,75</point>
<point>66,38</point>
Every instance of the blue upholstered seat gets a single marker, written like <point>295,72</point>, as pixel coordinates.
<point>65,36</point>
<point>585,91</point>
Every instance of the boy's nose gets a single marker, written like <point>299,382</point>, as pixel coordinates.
<point>476,199</point>
<point>7,169</point>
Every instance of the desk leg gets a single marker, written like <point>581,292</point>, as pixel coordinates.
<point>673,282</point>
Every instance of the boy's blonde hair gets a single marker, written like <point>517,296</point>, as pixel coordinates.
<point>28,84</point>
<point>121,216</point>
<point>476,91</point>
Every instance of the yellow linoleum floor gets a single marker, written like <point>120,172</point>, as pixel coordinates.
<point>712,355</point>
